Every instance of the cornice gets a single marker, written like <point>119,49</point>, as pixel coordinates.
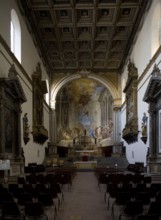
<point>150,64</point>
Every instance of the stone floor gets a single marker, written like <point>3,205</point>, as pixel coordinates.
<point>84,200</point>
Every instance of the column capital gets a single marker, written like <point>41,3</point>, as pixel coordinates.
<point>116,108</point>
<point>52,104</point>
<point>117,103</point>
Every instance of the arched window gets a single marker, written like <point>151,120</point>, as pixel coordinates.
<point>155,29</point>
<point>15,34</point>
<point>160,32</point>
<point>47,94</point>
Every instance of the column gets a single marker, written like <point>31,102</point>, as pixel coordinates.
<point>152,129</point>
<point>52,144</point>
<point>17,148</point>
<point>2,124</point>
<point>117,126</point>
<point>153,161</point>
<point>117,148</point>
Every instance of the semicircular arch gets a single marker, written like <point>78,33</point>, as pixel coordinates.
<point>55,88</point>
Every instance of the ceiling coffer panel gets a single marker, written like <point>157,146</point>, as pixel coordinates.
<point>88,34</point>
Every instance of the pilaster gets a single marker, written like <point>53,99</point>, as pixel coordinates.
<point>117,125</point>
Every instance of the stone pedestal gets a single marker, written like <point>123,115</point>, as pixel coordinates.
<point>117,151</point>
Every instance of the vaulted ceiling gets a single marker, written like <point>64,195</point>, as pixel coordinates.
<point>95,35</point>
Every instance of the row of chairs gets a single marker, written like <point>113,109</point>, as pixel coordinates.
<point>45,199</point>
<point>34,190</point>
<point>121,178</point>
<point>129,197</point>
<point>153,191</point>
<point>132,193</point>
<point>35,210</point>
<point>49,196</point>
<point>62,178</point>
<point>135,209</point>
<point>32,194</point>
<point>32,210</point>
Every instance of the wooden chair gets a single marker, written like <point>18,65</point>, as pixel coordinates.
<point>10,210</point>
<point>132,209</point>
<point>34,210</point>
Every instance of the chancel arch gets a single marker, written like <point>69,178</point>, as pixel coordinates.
<point>109,85</point>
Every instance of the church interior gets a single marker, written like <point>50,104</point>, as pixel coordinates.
<point>80,107</point>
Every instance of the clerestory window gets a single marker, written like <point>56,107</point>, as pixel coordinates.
<point>15,34</point>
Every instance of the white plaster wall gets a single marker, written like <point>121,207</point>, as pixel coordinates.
<point>123,83</point>
<point>5,7</point>
<point>147,41</point>
<point>146,45</point>
<point>30,57</point>
<point>4,63</point>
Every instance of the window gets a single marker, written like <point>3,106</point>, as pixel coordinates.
<point>47,94</point>
<point>160,32</point>
<point>15,34</point>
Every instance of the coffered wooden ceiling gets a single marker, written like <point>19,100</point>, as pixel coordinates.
<point>94,35</point>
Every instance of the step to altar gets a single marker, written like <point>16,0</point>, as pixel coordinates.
<point>85,164</point>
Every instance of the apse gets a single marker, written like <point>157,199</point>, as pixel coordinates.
<point>84,109</point>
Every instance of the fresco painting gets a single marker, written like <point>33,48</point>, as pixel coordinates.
<point>81,123</point>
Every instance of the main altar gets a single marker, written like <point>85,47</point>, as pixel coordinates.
<point>87,159</point>
<point>85,164</point>
<point>87,155</point>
